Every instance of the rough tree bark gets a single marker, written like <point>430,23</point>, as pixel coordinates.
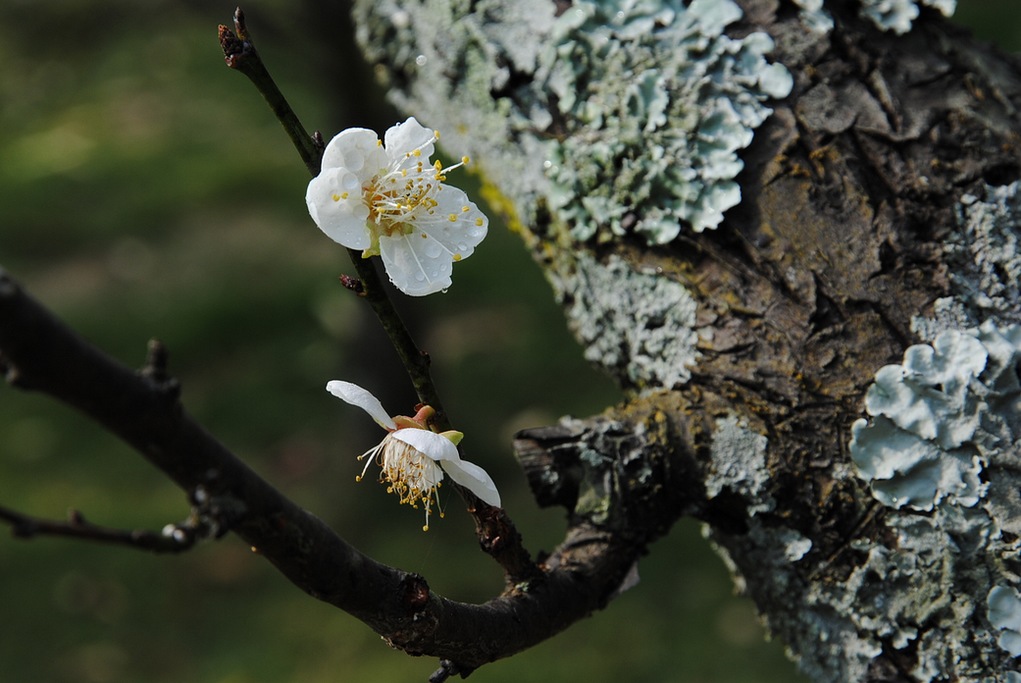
<point>878,211</point>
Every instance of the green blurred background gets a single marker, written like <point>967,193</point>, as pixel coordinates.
<point>146,191</point>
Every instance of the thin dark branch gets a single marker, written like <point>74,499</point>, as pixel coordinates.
<point>239,53</point>
<point>173,539</point>
<point>578,578</point>
<point>507,549</point>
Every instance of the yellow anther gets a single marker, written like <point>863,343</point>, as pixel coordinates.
<point>465,160</point>
<point>478,222</point>
<point>465,209</point>
<point>452,217</point>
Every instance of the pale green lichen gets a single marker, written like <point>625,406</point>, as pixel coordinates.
<point>738,464</point>
<point>466,69</point>
<point>814,16</point>
<point>1004,612</point>
<point>984,252</point>
<point>888,15</point>
<point>983,264</point>
<point>623,115</point>
<point>938,417</point>
<point>941,449</point>
<point>656,102</point>
<point>898,15</point>
<point>639,326</point>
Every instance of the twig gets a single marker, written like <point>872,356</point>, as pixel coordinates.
<point>174,538</point>
<point>497,533</point>
<point>446,670</point>
<point>239,53</point>
<point>49,357</point>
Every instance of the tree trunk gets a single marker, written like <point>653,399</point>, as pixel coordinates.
<point>874,518</point>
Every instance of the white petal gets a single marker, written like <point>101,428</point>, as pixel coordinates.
<point>356,396</point>
<point>455,222</point>
<point>473,478</point>
<point>335,202</point>
<point>356,150</point>
<point>429,444</point>
<point>442,450</point>
<point>417,264</point>
<point>405,138</point>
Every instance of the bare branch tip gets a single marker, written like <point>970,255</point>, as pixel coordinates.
<point>156,366</point>
<point>353,284</point>
<point>446,670</point>
<point>239,24</point>
<point>156,359</point>
<point>232,46</point>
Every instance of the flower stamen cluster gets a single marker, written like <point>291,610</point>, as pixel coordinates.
<point>407,473</point>
<point>412,458</point>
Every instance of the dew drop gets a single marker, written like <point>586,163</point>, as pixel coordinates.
<point>432,249</point>
<point>354,160</point>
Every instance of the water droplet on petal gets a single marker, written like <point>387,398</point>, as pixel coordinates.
<point>351,159</point>
<point>432,249</point>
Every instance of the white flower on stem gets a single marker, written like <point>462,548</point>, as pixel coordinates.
<point>412,459</point>
<point>386,198</point>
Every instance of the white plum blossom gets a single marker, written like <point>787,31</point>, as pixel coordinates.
<point>386,198</point>
<point>413,459</point>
